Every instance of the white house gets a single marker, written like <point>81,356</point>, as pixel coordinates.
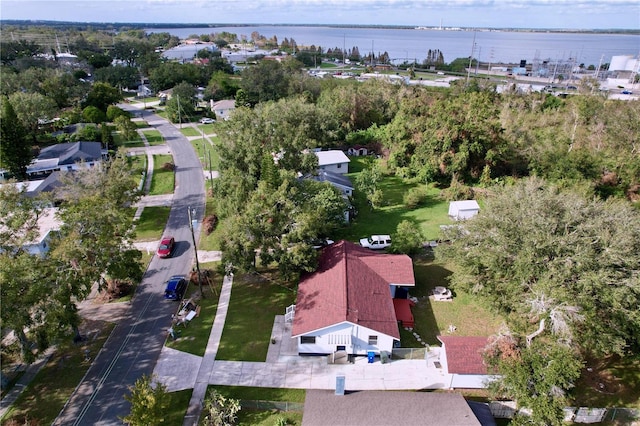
<point>347,304</point>
<point>334,161</point>
<point>223,108</point>
<point>66,157</point>
<point>46,225</point>
<point>343,183</point>
<point>462,210</point>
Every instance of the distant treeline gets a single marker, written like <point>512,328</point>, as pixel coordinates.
<point>123,26</point>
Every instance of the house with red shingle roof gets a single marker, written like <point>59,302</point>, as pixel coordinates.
<point>462,358</point>
<point>347,304</point>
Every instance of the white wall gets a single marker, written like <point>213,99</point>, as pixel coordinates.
<point>353,337</point>
<point>340,168</point>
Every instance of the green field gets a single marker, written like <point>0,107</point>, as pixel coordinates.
<point>256,300</point>
<point>152,223</point>
<point>162,181</point>
<point>153,137</point>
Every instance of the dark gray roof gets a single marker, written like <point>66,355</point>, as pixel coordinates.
<point>50,183</point>
<point>72,152</point>
<point>333,178</point>
<point>367,408</point>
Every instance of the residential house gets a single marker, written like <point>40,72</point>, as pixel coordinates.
<point>348,303</point>
<point>463,210</point>
<point>343,183</point>
<point>47,224</point>
<point>365,408</point>
<point>223,108</point>
<point>66,157</point>
<point>333,161</point>
<point>462,358</point>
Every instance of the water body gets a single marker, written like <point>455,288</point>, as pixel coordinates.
<point>413,44</point>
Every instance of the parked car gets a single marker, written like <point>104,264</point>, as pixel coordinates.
<point>627,92</point>
<point>320,243</point>
<point>376,242</point>
<point>207,120</point>
<point>176,286</point>
<point>165,249</point>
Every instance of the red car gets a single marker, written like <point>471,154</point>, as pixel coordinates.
<point>166,247</point>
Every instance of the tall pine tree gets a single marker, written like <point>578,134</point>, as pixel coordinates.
<point>15,152</point>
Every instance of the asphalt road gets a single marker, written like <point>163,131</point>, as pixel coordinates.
<point>135,344</point>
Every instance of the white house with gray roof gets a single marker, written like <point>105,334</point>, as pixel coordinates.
<point>334,161</point>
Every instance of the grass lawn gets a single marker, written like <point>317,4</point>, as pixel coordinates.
<point>434,318</point>
<point>154,137</point>
<point>152,223</point>
<point>264,417</point>
<point>190,131</point>
<point>612,382</point>
<point>118,140</point>
<point>138,165</point>
<point>384,220</point>
<point>193,338</point>
<point>141,124</point>
<point>162,181</point>
<point>211,241</point>
<point>269,418</point>
<point>208,129</point>
<point>45,396</point>
<point>178,404</point>
<point>255,301</point>
<point>205,151</point>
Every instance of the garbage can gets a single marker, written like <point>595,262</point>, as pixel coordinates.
<point>371,356</point>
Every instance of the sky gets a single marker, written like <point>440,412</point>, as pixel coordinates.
<point>554,14</point>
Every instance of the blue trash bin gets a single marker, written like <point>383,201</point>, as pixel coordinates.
<point>371,356</point>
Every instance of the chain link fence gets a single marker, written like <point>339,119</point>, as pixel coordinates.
<point>508,409</point>
<point>409,353</point>
<point>272,405</point>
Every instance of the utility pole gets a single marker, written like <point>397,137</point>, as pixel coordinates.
<point>195,248</point>
<point>473,49</point>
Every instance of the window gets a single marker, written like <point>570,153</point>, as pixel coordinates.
<point>339,165</point>
<point>307,339</point>
<point>373,340</point>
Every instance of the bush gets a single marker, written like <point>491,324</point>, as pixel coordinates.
<point>210,223</point>
<point>415,197</point>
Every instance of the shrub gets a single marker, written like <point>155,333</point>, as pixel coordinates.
<point>415,197</point>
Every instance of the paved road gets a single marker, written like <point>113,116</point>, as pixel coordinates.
<point>136,342</point>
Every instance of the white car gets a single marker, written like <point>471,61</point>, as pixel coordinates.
<point>376,242</point>
<point>207,120</point>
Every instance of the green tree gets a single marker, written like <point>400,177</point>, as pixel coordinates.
<point>32,109</point>
<point>462,135</point>
<point>266,81</point>
<point>561,267</point>
<point>181,107</point>
<point>149,401</point>
<point>537,377</point>
<point>538,252</point>
<point>95,229</point>
<point>126,127</point>
<point>220,410</point>
<point>21,281</point>
<point>408,239</point>
<point>93,114</point>
<point>101,96</point>
<point>367,182</point>
<point>15,151</point>
<point>118,76</point>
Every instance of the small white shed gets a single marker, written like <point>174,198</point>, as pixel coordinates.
<point>462,210</point>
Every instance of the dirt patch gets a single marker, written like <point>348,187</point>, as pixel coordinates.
<point>597,377</point>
